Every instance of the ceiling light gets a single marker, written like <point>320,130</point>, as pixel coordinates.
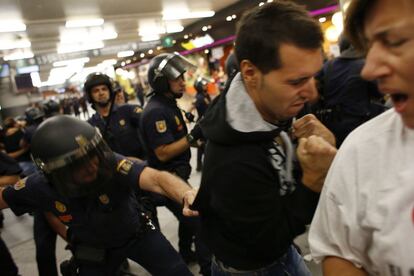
<point>177,15</point>
<point>109,61</point>
<point>19,55</point>
<point>322,19</point>
<point>16,44</point>
<point>150,52</point>
<point>76,47</point>
<point>123,54</point>
<point>150,37</point>
<point>174,29</point>
<point>234,16</point>
<point>71,61</point>
<point>123,63</point>
<point>87,34</point>
<point>204,29</point>
<point>142,55</point>
<point>8,26</point>
<point>185,36</point>
<point>76,23</point>
<point>229,18</point>
<point>261,4</point>
<point>206,51</point>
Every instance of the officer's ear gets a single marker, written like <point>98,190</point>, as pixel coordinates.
<point>250,73</point>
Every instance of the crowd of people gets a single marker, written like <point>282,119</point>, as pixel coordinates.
<point>290,142</point>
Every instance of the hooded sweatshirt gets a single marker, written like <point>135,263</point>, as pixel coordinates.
<point>251,200</point>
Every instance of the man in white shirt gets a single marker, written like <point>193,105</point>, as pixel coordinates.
<point>364,224</point>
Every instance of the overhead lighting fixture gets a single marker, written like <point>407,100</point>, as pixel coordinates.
<point>174,29</point>
<point>71,62</point>
<point>8,26</point>
<point>19,55</point>
<point>77,47</point>
<point>150,52</point>
<point>261,4</point>
<point>178,15</point>
<point>153,37</point>
<point>229,18</point>
<point>123,54</point>
<point>87,34</point>
<point>142,55</point>
<point>109,61</point>
<point>16,44</point>
<point>77,23</point>
<point>204,29</point>
<point>322,19</point>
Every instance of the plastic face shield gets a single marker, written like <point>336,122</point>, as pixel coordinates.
<point>174,66</point>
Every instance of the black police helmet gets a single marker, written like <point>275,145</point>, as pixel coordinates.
<point>199,84</point>
<point>166,67</point>
<point>95,79</point>
<point>34,115</point>
<point>73,156</point>
<point>51,108</point>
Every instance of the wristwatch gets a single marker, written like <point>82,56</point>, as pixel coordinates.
<point>190,138</point>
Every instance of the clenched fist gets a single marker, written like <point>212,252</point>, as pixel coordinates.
<point>309,125</point>
<point>315,156</point>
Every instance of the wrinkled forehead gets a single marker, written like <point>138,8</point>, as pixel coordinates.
<point>387,15</point>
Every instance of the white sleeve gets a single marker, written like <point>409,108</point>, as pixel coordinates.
<point>336,227</point>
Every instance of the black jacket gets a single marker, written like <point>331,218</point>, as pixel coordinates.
<point>246,223</point>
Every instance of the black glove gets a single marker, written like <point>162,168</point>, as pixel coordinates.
<point>196,132</point>
<point>189,116</point>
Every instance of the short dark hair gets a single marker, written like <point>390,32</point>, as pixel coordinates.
<point>354,22</point>
<point>262,30</point>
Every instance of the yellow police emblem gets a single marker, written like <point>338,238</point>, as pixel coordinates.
<point>122,122</point>
<point>138,109</point>
<point>124,166</point>
<point>60,206</point>
<point>104,199</point>
<point>177,121</point>
<point>20,184</point>
<point>161,126</point>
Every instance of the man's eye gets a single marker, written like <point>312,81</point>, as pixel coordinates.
<point>297,82</point>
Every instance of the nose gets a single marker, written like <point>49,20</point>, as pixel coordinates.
<point>375,63</point>
<point>309,91</point>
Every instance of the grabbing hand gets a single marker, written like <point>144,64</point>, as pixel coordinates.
<point>315,157</point>
<point>309,125</point>
<point>196,132</point>
<point>188,199</point>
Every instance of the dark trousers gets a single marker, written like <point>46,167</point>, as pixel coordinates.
<point>188,232</point>
<point>7,265</point>
<point>152,251</point>
<point>45,241</point>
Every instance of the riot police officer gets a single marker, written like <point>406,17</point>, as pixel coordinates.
<point>168,141</point>
<point>44,235</point>
<point>51,108</point>
<point>202,101</point>
<point>86,186</point>
<point>119,124</point>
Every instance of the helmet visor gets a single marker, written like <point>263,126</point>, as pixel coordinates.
<point>86,175</point>
<point>174,66</point>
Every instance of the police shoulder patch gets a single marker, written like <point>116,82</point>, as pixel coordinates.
<point>60,206</point>
<point>20,184</point>
<point>124,166</point>
<point>104,199</point>
<point>177,121</point>
<point>138,109</point>
<point>161,126</point>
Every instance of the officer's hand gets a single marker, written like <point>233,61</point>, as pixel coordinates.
<point>196,132</point>
<point>315,157</point>
<point>309,125</point>
<point>188,199</point>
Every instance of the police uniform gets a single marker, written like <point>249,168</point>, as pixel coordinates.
<point>8,166</point>
<point>122,133</point>
<point>163,123</point>
<point>108,222</point>
<point>202,100</point>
